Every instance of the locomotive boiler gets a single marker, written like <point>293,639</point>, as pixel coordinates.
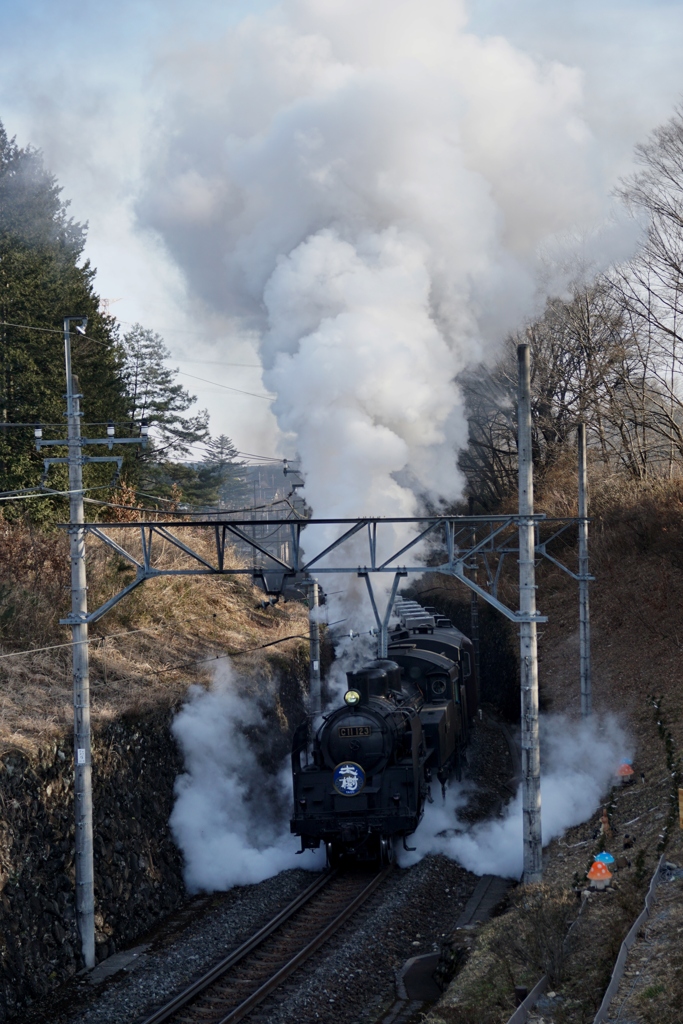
<point>362,779</point>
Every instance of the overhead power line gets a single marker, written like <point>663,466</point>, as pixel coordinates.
<point>40,492</point>
<point>214,383</point>
<point>87,337</point>
<point>200,510</point>
<point>71,643</point>
<point>51,330</point>
<point>231,654</point>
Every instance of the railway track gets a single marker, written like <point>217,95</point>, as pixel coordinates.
<point>233,988</point>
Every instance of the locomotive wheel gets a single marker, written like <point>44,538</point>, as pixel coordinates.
<point>387,851</point>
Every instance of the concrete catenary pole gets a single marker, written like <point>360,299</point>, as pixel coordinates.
<point>584,578</point>
<point>531,762</point>
<point>314,639</point>
<point>85,888</point>
<point>474,610</point>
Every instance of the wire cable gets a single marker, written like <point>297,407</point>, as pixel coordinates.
<point>56,330</point>
<point>230,654</point>
<point>72,643</point>
<point>87,337</point>
<point>216,384</point>
<point>200,511</point>
<point>43,492</point>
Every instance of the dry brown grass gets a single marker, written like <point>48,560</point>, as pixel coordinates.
<point>636,555</point>
<point>144,651</point>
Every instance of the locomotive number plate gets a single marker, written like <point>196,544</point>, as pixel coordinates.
<point>346,731</point>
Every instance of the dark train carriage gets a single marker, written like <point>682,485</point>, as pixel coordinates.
<point>443,638</point>
<point>444,711</point>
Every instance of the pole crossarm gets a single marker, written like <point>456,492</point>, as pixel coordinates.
<point>463,539</point>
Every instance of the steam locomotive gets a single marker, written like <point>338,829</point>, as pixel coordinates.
<point>361,781</point>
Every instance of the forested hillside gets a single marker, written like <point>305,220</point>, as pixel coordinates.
<point>124,377</point>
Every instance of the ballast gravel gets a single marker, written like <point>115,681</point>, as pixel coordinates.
<point>184,947</point>
<point>354,982</point>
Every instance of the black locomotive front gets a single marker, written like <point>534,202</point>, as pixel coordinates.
<point>360,782</point>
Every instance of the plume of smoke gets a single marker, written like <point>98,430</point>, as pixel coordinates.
<point>578,764</point>
<point>366,187</point>
<point>231,816</point>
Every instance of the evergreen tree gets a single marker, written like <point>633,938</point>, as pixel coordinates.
<point>43,279</point>
<point>222,454</point>
<point>195,484</point>
<point>221,451</point>
<point>155,396</point>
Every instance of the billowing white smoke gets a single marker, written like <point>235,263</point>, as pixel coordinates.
<point>578,764</point>
<point>231,817</point>
<point>364,189</point>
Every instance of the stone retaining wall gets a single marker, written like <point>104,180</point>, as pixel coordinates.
<point>138,870</point>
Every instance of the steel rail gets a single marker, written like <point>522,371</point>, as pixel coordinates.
<point>276,980</point>
<point>219,969</point>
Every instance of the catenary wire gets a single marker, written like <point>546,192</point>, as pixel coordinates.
<point>206,511</point>
<point>231,654</point>
<point>182,664</point>
<point>35,492</point>
<point>216,384</point>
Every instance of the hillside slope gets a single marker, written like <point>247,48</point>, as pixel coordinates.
<point>637,630</point>
<point>143,653</point>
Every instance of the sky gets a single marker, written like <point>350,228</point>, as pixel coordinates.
<point>120,96</point>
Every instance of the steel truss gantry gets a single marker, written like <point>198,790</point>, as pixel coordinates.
<point>459,546</point>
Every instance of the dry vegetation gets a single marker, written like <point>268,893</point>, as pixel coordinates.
<point>637,623</point>
<point>144,652</point>
<point>637,632</point>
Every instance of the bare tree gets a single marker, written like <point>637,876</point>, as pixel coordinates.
<point>582,362</point>
<point>650,288</point>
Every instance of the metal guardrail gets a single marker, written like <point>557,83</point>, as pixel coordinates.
<point>524,1009</point>
<point>620,965</point>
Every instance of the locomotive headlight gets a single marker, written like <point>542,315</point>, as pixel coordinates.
<point>352,697</point>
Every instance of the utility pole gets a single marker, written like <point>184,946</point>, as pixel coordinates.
<point>584,578</point>
<point>474,608</point>
<point>85,880</point>
<point>78,620</point>
<point>531,761</point>
<point>314,634</point>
